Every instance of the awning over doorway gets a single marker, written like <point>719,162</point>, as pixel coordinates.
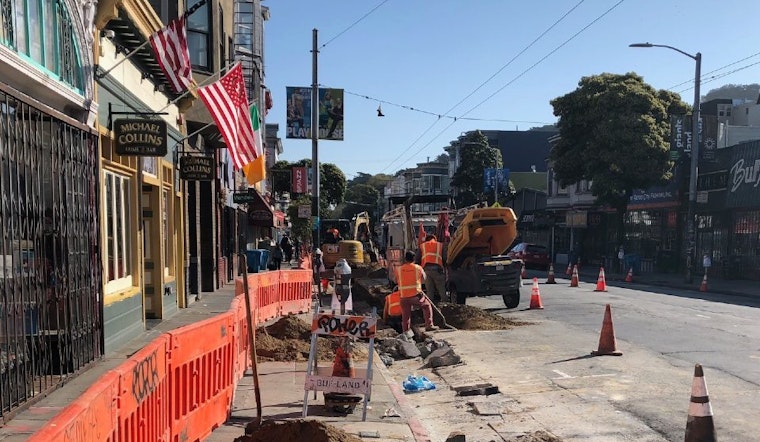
<point>260,212</point>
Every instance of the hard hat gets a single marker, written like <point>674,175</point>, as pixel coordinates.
<point>318,252</point>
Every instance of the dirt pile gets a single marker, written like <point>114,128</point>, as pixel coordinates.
<point>536,436</point>
<point>466,317</point>
<point>298,431</point>
<point>289,339</point>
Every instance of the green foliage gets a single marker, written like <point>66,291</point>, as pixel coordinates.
<point>332,182</point>
<point>281,177</point>
<point>747,92</point>
<point>300,227</point>
<point>476,155</point>
<point>365,195</point>
<point>614,130</point>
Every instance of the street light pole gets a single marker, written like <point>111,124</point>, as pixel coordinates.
<point>694,169</point>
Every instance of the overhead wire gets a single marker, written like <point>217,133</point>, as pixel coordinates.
<point>354,23</point>
<point>707,74</point>
<point>521,74</point>
<point>717,77</point>
<point>445,114</point>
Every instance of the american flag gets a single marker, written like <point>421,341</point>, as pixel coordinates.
<point>170,46</point>
<point>227,102</point>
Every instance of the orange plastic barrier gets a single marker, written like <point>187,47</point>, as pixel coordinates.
<point>92,417</point>
<point>201,377</point>
<point>143,412</point>
<point>180,386</point>
<point>295,292</point>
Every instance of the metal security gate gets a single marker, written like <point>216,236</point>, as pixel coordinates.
<point>50,267</point>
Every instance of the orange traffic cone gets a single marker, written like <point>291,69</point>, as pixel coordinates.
<point>343,364</point>
<point>524,273</point>
<point>703,287</point>
<point>601,284</point>
<point>699,424</point>
<point>569,270</point>
<point>629,276</point>
<point>535,296</point>
<point>574,279</point>
<point>607,344</point>
<point>550,278</point>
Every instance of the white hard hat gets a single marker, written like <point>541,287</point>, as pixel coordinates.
<point>317,252</point>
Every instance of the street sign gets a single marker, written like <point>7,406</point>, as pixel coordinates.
<point>304,211</point>
<point>243,197</point>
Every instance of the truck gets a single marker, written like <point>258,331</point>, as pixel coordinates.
<point>477,264</point>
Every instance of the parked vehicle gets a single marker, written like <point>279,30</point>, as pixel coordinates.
<point>477,265</point>
<point>533,255</point>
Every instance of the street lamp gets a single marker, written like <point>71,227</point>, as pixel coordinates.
<point>694,156</point>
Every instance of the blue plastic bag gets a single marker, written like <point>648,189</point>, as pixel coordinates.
<point>417,383</point>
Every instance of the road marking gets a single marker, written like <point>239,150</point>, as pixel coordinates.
<point>754,357</point>
<point>562,375</point>
<point>703,316</point>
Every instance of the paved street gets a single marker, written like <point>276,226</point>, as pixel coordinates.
<point>549,380</point>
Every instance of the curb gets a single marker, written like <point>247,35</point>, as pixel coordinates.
<point>415,425</point>
<point>620,282</point>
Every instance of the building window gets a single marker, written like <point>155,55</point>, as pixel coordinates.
<point>199,37</point>
<point>167,223</point>
<point>42,32</point>
<point>118,241</point>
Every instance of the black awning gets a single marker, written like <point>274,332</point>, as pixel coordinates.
<point>260,213</point>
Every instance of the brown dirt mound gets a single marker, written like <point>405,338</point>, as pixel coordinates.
<point>536,436</point>
<point>467,317</point>
<point>298,431</point>
<point>289,340</point>
<point>289,327</point>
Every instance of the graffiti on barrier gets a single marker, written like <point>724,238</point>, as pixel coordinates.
<point>145,377</point>
<point>344,325</point>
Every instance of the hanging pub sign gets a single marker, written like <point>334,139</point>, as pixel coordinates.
<point>197,168</point>
<point>140,137</point>
<point>244,197</point>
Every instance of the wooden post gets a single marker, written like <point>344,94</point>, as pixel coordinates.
<point>251,335</point>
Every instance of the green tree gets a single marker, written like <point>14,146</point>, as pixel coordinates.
<point>614,131</point>
<point>360,198</point>
<point>300,227</point>
<point>476,156</point>
<point>332,182</point>
<point>281,177</point>
<point>379,181</point>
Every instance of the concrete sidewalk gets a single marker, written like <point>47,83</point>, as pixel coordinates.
<point>389,417</point>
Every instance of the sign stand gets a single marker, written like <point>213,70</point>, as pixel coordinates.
<point>347,327</point>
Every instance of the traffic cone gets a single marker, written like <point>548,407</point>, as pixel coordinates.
<point>524,273</point>
<point>629,276</point>
<point>550,278</point>
<point>574,279</point>
<point>569,270</point>
<point>535,296</point>
<point>343,364</point>
<point>699,424</point>
<point>703,287</point>
<point>601,284</point>
<point>607,344</point>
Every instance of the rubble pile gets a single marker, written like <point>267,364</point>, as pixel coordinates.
<point>297,430</point>
<point>467,317</point>
<point>536,436</point>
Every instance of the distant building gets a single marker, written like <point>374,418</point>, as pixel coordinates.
<point>430,178</point>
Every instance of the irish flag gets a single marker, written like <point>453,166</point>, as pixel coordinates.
<point>255,171</point>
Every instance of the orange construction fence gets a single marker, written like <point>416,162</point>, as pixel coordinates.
<point>180,386</point>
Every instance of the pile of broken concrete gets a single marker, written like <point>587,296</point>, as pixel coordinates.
<point>435,352</point>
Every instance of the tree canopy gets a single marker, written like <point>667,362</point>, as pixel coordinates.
<point>614,131</point>
<point>476,155</point>
<point>360,198</point>
<point>299,227</point>
<point>332,181</point>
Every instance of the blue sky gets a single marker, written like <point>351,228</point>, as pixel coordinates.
<point>431,54</point>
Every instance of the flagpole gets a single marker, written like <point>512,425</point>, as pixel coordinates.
<point>187,13</point>
<point>315,139</point>
<point>201,84</point>
<point>201,129</point>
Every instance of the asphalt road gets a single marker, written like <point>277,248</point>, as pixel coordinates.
<point>549,381</point>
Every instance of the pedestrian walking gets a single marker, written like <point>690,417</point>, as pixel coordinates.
<point>277,257</point>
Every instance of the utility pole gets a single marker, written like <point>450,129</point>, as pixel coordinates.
<point>315,141</point>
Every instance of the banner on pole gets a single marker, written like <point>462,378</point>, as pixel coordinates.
<point>299,181</point>
<point>299,113</point>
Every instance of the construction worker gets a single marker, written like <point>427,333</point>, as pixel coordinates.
<point>410,277</point>
<point>431,260</point>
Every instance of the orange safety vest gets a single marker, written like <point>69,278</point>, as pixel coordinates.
<point>409,280</point>
<point>431,253</point>
<point>392,305</point>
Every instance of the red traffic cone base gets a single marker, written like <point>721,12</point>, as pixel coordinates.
<point>601,283</point>
<point>703,287</point>
<point>569,270</point>
<point>629,276</point>
<point>550,278</point>
<point>535,296</point>
<point>574,279</point>
<point>699,424</point>
<point>607,343</point>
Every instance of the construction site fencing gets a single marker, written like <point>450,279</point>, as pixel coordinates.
<point>180,387</point>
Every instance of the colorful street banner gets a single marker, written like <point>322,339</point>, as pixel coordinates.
<point>299,180</point>
<point>299,113</point>
<point>502,175</point>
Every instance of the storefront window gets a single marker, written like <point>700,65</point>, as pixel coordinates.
<point>42,31</point>
<point>118,238</point>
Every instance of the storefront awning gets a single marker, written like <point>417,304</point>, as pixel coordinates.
<point>260,212</point>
